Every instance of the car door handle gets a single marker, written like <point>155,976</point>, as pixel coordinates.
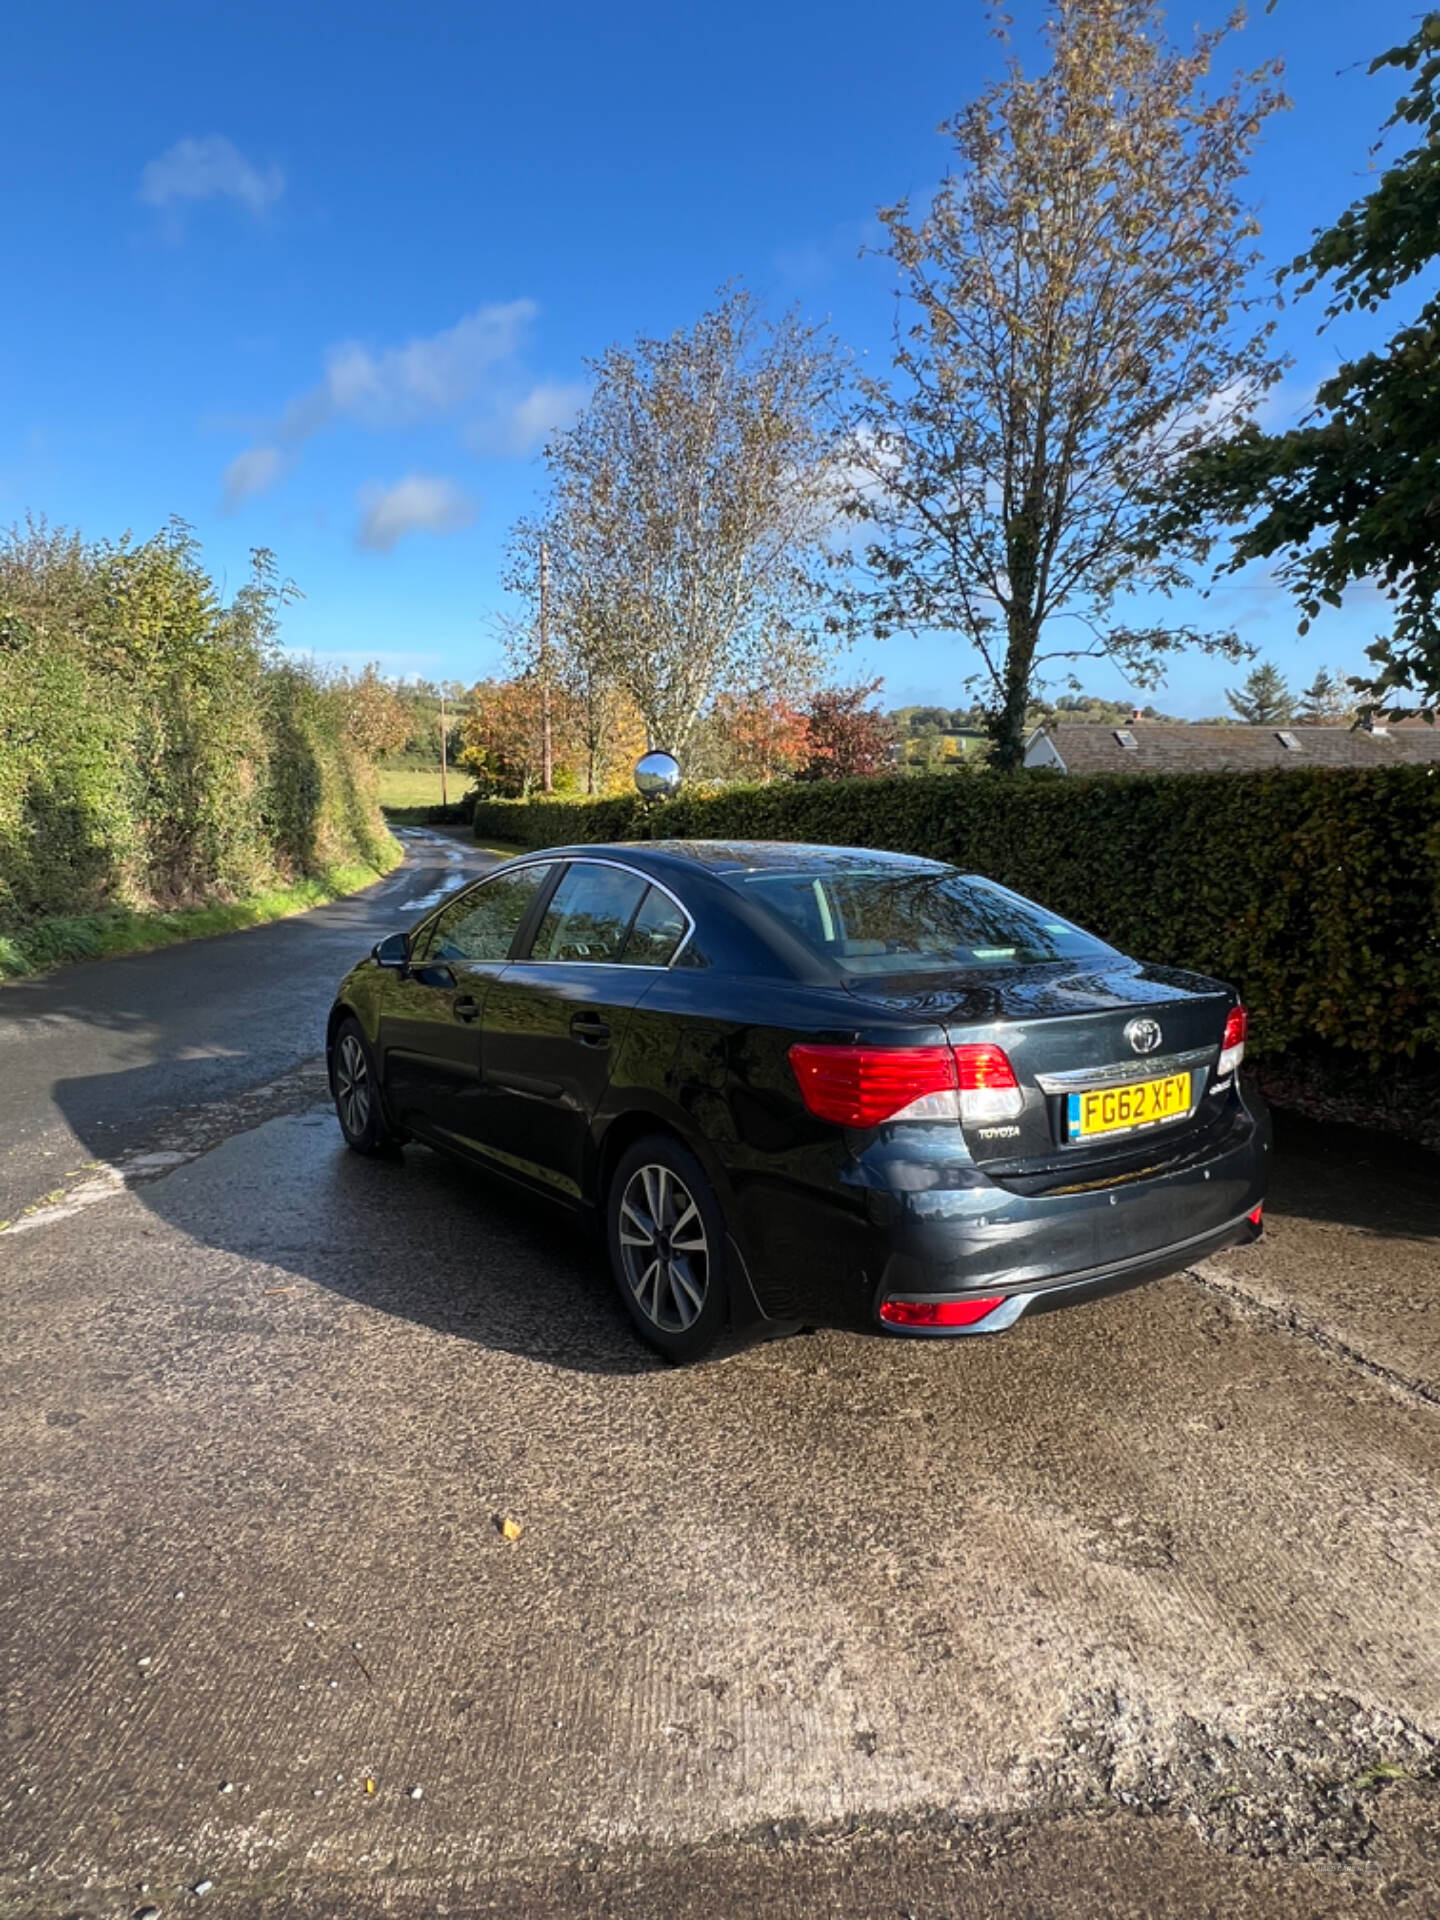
<point>590,1030</point>
<point>467,1007</point>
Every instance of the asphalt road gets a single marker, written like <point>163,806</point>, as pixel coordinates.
<point>1132,1610</point>
<point>123,1044</point>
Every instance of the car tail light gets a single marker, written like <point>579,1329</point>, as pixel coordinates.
<point>1256,1216</point>
<point>937,1313</point>
<point>988,1087</point>
<point>863,1086</point>
<point>1232,1046</point>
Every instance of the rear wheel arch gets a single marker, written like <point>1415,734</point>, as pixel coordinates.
<point>620,1136</point>
<point>633,1124</point>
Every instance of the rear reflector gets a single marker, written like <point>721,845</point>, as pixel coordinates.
<point>863,1086</point>
<point>936,1313</point>
<point>1257,1217</point>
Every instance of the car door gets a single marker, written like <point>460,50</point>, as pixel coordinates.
<point>554,1019</point>
<point>430,1028</point>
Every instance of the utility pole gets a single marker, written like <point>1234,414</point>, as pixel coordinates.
<point>547,763</point>
<point>443,800</point>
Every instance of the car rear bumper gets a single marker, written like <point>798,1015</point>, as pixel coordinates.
<point>1065,1290</point>
<point>911,1218</point>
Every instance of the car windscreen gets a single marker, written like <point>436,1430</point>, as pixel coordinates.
<point>889,920</point>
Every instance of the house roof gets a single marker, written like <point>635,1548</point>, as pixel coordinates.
<point>1160,748</point>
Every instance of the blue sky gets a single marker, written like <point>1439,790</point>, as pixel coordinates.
<point>318,277</point>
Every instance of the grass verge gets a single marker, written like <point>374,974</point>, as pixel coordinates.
<point>96,936</point>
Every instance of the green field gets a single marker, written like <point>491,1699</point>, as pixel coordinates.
<point>419,786</point>
<point>405,793</point>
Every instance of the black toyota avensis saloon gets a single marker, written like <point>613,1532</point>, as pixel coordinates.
<point>811,1084</point>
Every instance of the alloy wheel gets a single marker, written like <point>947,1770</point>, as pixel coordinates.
<point>352,1086</point>
<point>663,1247</point>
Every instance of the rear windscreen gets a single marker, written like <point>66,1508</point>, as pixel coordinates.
<point>889,921</point>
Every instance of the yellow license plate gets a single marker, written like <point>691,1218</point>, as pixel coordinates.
<point>1115,1109</point>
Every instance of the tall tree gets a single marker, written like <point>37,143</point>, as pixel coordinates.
<point>577,657</point>
<point>377,718</point>
<point>1326,700</point>
<point>691,508</point>
<point>1264,700</point>
<point>1353,493</point>
<point>1075,320</point>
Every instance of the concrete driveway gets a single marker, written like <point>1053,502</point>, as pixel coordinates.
<point>1133,1610</point>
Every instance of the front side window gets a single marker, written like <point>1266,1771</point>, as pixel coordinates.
<point>920,920</point>
<point>589,914</point>
<point>483,923</point>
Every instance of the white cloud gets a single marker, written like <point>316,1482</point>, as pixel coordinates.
<point>516,425</point>
<point>543,409</point>
<point>396,387</point>
<point>416,504</point>
<point>403,385</point>
<point>252,472</point>
<point>210,169</point>
<point>859,469</point>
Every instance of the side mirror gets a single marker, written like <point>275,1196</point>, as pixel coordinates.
<point>392,951</point>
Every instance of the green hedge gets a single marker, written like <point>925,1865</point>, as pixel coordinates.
<point>1316,893</point>
<point>157,750</point>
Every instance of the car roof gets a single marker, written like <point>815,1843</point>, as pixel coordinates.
<point>748,856</point>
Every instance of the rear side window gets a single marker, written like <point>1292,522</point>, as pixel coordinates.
<point>920,920</point>
<point>656,932</point>
<point>589,914</point>
<point>483,923</point>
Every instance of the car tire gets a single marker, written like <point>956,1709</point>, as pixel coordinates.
<point>667,1241</point>
<point>355,1087</point>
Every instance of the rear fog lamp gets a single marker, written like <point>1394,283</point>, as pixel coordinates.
<point>936,1313</point>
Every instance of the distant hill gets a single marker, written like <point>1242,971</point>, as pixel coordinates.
<point>1071,708</point>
